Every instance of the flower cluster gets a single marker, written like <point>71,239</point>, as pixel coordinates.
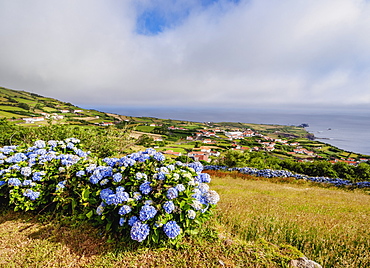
<point>140,195</point>
<point>269,173</point>
<point>151,198</point>
<point>26,172</point>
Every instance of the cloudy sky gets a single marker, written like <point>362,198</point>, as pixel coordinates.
<point>224,53</point>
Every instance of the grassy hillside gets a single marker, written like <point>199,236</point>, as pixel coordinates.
<point>258,224</point>
<point>22,104</point>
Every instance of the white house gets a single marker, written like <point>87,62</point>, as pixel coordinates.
<point>33,119</point>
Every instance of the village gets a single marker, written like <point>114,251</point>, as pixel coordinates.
<point>207,146</point>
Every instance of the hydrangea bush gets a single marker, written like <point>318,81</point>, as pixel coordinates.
<point>269,173</point>
<point>141,196</point>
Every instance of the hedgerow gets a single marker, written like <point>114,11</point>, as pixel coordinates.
<point>141,195</point>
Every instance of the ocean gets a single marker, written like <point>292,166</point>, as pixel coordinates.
<point>346,129</point>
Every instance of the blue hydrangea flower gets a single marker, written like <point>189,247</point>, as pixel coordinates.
<point>150,151</point>
<point>118,198</point>
<point>212,197</point>
<point>180,187</point>
<point>160,176</point>
<point>197,194</point>
<point>164,170</point>
<point>93,179</point>
<point>31,194</point>
<point>122,197</point>
<point>120,189</point>
<point>191,214</point>
<point>60,185</point>
<point>41,151</point>
<point>172,193</point>
<point>2,183</point>
<point>148,202</point>
<point>140,176</point>
<point>203,178</point>
<point>203,188</point>
<point>125,209</point>
<point>110,161</point>
<point>105,193</point>
<point>80,173</point>
<point>70,145</point>
<point>132,220</point>
<point>104,182</point>
<point>136,195</point>
<point>61,169</point>
<point>126,161</point>
<point>197,205</point>
<point>171,229</point>
<point>91,168</point>
<point>16,158</point>
<point>28,183</point>
<point>122,221</point>
<point>197,166</point>
<point>145,187</point>
<point>100,209</point>
<point>143,157</point>
<point>139,231</point>
<point>14,182</point>
<point>147,212</point>
<point>159,156</point>
<point>171,167</point>
<point>117,177</point>
<point>81,153</point>
<point>168,206</point>
<point>37,176</point>
<point>52,143</point>
<point>40,144</point>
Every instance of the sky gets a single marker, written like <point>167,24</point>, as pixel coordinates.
<point>189,53</point>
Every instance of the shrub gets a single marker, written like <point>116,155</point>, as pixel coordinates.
<point>141,195</point>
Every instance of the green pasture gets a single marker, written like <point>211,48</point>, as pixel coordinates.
<point>12,108</point>
<point>49,109</point>
<point>257,224</point>
<point>144,128</point>
<point>10,115</point>
<point>329,226</point>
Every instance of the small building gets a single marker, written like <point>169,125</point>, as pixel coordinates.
<point>33,119</point>
<point>197,156</point>
<point>171,152</point>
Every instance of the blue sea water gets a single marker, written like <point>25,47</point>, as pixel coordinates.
<point>346,129</point>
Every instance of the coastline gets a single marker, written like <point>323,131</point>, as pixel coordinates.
<point>349,130</point>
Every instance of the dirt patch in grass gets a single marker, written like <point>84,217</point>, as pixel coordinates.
<point>24,242</point>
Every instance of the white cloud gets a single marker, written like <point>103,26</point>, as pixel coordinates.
<point>253,52</point>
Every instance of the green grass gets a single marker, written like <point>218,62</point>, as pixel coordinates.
<point>329,226</point>
<point>49,109</point>
<point>10,115</point>
<point>28,101</point>
<point>257,224</point>
<point>144,128</point>
<point>11,108</point>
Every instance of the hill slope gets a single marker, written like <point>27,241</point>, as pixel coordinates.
<point>18,105</point>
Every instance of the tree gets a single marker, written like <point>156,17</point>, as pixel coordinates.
<point>362,172</point>
<point>184,159</point>
<point>145,140</point>
<point>343,170</point>
<point>24,105</point>
<point>235,159</point>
